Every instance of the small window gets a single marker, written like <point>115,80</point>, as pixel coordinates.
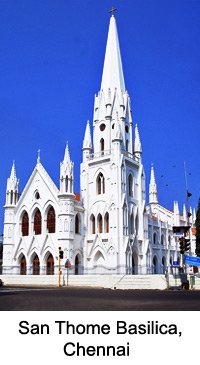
<point>77,223</point>
<point>113,126</point>
<point>37,195</point>
<point>102,145</point>
<point>130,185</point>
<point>106,223</point>
<point>126,129</point>
<point>102,127</point>
<point>100,223</point>
<point>92,222</point>
<point>100,184</point>
<point>154,238</point>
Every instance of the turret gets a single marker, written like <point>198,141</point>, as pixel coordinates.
<point>137,146</point>
<point>184,214</point>
<point>153,194</point>
<point>12,188</point>
<point>87,143</point>
<point>67,174</point>
<point>176,214</point>
<point>117,139</point>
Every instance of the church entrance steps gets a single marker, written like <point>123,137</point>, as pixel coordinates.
<point>124,282</point>
<point>100,281</point>
<point>141,281</point>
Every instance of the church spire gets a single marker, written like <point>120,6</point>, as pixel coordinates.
<point>153,194</point>
<point>112,71</point>
<point>12,187</point>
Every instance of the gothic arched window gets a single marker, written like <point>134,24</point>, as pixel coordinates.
<point>51,220</point>
<point>102,145</point>
<point>100,223</point>
<point>37,222</point>
<point>77,224</point>
<point>106,223</point>
<point>130,185</point>
<point>100,184</point>
<point>131,224</point>
<point>25,224</point>
<point>92,222</point>
<point>155,239</point>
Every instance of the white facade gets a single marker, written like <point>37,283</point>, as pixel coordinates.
<point>108,229</point>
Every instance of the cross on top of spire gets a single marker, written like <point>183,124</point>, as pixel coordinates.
<point>112,11</point>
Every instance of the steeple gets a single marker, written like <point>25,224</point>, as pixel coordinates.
<point>112,103</point>
<point>112,71</point>
<point>137,144</point>
<point>12,187</point>
<point>153,194</point>
<point>66,173</point>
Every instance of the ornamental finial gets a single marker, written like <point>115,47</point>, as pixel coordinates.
<point>112,11</point>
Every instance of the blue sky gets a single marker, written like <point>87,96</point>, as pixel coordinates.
<point>51,60</point>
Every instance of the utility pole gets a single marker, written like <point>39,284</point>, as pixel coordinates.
<point>60,257</point>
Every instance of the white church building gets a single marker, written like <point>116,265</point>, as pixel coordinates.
<point>108,228</point>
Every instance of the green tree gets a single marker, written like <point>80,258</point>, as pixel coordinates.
<point>197,223</point>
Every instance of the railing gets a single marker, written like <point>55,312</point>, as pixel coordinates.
<point>105,153</point>
<point>99,154</point>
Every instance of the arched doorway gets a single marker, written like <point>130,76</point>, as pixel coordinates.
<point>50,265</point>
<point>155,265</point>
<point>99,263</point>
<point>77,264</point>
<point>36,265</point>
<point>23,265</point>
<point>163,264</point>
<point>134,263</point>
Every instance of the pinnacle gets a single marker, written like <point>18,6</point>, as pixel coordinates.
<point>87,142</point>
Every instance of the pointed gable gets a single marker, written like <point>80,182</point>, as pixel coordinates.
<point>41,182</point>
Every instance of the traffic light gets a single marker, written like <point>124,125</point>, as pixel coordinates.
<point>182,245</point>
<point>61,253</point>
<point>187,244</point>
